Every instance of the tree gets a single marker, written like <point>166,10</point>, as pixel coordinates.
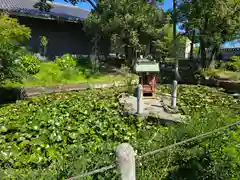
<point>45,6</point>
<point>216,21</point>
<point>177,75</point>
<point>163,45</point>
<point>12,37</point>
<point>129,24</point>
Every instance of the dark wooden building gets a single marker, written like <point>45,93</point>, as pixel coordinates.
<point>62,25</point>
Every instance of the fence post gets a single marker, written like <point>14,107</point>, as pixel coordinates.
<point>126,161</point>
<point>139,99</point>
<point>174,94</point>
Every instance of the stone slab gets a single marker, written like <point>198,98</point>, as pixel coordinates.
<point>154,107</point>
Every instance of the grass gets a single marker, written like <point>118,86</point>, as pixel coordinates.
<point>225,74</point>
<point>51,75</point>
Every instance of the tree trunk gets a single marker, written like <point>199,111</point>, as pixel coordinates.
<point>177,75</point>
<point>198,59</point>
<point>128,55</point>
<point>95,7</point>
<point>153,2</point>
<point>213,56</point>
<point>203,52</point>
<point>192,43</point>
<point>96,40</point>
<point>44,51</point>
<point>151,47</point>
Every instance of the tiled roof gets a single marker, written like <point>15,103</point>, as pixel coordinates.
<point>57,10</point>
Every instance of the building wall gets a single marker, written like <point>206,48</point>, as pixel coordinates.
<point>63,37</point>
<point>187,49</point>
<point>226,53</point>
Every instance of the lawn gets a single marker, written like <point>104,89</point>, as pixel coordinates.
<point>65,134</point>
<point>50,75</point>
<point>224,74</point>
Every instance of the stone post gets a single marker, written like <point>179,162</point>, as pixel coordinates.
<point>126,161</point>
<point>139,99</point>
<point>174,94</point>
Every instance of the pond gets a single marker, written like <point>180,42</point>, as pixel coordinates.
<point>66,134</point>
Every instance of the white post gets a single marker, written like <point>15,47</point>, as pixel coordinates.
<point>139,99</point>
<point>126,161</point>
<point>174,94</point>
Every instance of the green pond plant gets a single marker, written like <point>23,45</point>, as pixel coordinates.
<point>61,135</point>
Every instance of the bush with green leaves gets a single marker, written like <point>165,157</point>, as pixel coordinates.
<point>44,43</point>
<point>9,69</point>
<point>13,37</point>
<point>30,64</point>
<point>66,61</point>
<point>233,64</point>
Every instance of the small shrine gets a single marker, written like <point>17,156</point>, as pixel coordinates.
<point>147,103</point>
<point>147,70</point>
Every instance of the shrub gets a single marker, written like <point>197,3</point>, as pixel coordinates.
<point>124,69</point>
<point>44,43</point>
<point>9,70</point>
<point>70,73</point>
<point>30,64</point>
<point>12,31</point>
<point>12,38</point>
<point>66,61</point>
<point>221,65</point>
<point>84,63</point>
<point>233,64</point>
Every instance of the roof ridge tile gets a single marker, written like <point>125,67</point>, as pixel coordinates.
<point>58,10</point>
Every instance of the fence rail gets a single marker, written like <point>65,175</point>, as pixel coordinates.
<point>126,156</point>
<point>93,172</point>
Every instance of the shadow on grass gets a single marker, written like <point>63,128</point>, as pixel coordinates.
<point>94,69</point>
<point>187,71</point>
<point>194,168</point>
<point>162,121</point>
<point>84,62</point>
<point>11,95</point>
<point>86,66</point>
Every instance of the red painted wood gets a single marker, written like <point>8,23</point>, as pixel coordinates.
<point>148,82</point>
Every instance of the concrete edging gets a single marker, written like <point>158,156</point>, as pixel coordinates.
<point>35,91</point>
<point>228,85</point>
